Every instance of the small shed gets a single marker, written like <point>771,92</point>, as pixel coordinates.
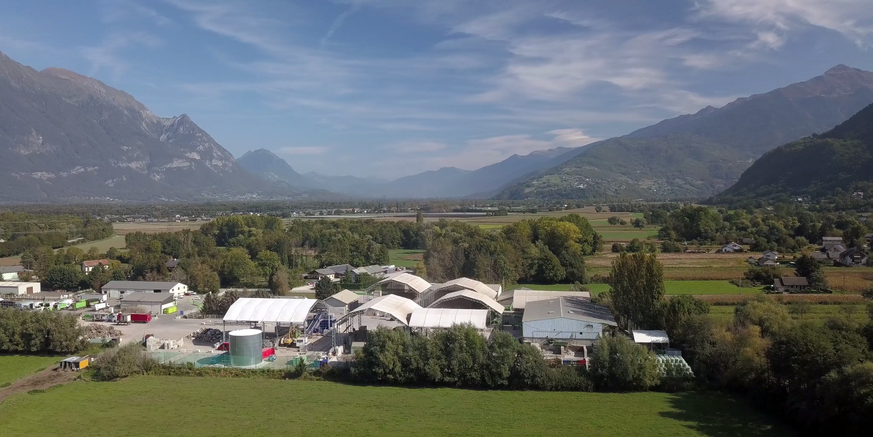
<point>74,363</point>
<point>340,302</point>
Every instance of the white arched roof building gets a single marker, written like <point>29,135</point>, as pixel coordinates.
<point>467,299</point>
<point>437,291</point>
<point>405,285</point>
<point>431,318</point>
<point>396,307</point>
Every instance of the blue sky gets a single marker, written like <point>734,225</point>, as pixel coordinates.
<point>387,88</point>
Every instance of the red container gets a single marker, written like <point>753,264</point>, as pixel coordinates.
<point>267,352</point>
<point>141,318</point>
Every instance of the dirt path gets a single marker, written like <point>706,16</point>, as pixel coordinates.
<point>38,381</point>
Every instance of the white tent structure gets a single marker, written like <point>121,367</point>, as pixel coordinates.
<point>447,317</point>
<point>392,305</point>
<point>650,336</point>
<point>289,311</point>
<point>467,299</point>
<point>405,285</point>
<point>436,291</point>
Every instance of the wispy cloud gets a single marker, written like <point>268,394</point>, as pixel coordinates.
<point>776,18</point>
<point>335,26</point>
<point>305,151</point>
<point>106,56</point>
<point>408,147</point>
<point>120,10</point>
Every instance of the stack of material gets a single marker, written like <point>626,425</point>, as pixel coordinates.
<point>155,343</point>
<point>207,335</point>
<point>101,331</point>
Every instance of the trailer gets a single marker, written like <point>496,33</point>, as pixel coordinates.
<point>122,319</point>
<point>80,304</point>
<point>140,318</point>
<point>100,306</point>
<point>170,310</point>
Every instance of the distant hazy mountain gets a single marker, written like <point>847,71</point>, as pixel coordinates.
<point>697,155</point>
<point>64,136</point>
<point>815,166</point>
<point>266,165</point>
<point>447,182</point>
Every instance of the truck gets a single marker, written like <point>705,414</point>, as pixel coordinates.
<point>100,306</point>
<point>141,318</point>
<point>122,319</point>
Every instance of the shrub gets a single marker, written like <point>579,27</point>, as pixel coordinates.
<point>122,362</point>
<point>618,364</point>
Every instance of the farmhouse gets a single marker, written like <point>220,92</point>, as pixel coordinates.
<point>321,273</point>
<point>117,289</point>
<point>375,271</point>
<point>828,242</point>
<point>770,254</point>
<point>19,288</point>
<point>852,257</point>
<point>87,266</point>
<point>565,318</point>
<point>767,262</point>
<point>730,248</point>
<point>788,284</point>
<point>153,303</point>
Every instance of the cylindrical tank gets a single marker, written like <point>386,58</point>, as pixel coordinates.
<point>245,347</point>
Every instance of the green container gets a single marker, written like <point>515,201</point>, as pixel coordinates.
<point>80,304</point>
<point>170,310</point>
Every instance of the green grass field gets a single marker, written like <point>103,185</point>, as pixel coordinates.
<point>814,313</point>
<point>176,406</point>
<point>116,241</point>
<point>14,367</point>
<point>672,288</point>
<point>404,257</point>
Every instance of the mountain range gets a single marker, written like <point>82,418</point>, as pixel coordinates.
<point>698,155</point>
<point>67,137</point>
<point>447,182</point>
<point>64,136</point>
<point>816,166</point>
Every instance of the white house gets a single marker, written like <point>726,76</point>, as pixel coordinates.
<point>117,289</point>
<point>19,288</point>
<point>89,265</point>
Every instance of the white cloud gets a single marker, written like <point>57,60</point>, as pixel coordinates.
<point>571,137</point>
<point>305,151</point>
<point>120,10</point>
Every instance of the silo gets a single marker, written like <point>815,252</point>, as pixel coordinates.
<point>246,347</point>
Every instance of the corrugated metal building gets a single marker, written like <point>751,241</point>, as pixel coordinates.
<point>117,289</point>
<point>19,288</point>
<point>566,318</point>
<point>153,303</point>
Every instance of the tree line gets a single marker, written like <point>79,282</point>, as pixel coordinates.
<point>40,332</point>
<point>20,232</point>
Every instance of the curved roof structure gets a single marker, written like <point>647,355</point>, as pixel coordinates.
<point>470,296</point>
<point>397,306</point>
<point>409,280</point>
<point>447,317</point>
<point>469,284</point>
<point>269,310</point>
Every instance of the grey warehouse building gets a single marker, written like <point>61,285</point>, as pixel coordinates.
<point>565,318</point>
